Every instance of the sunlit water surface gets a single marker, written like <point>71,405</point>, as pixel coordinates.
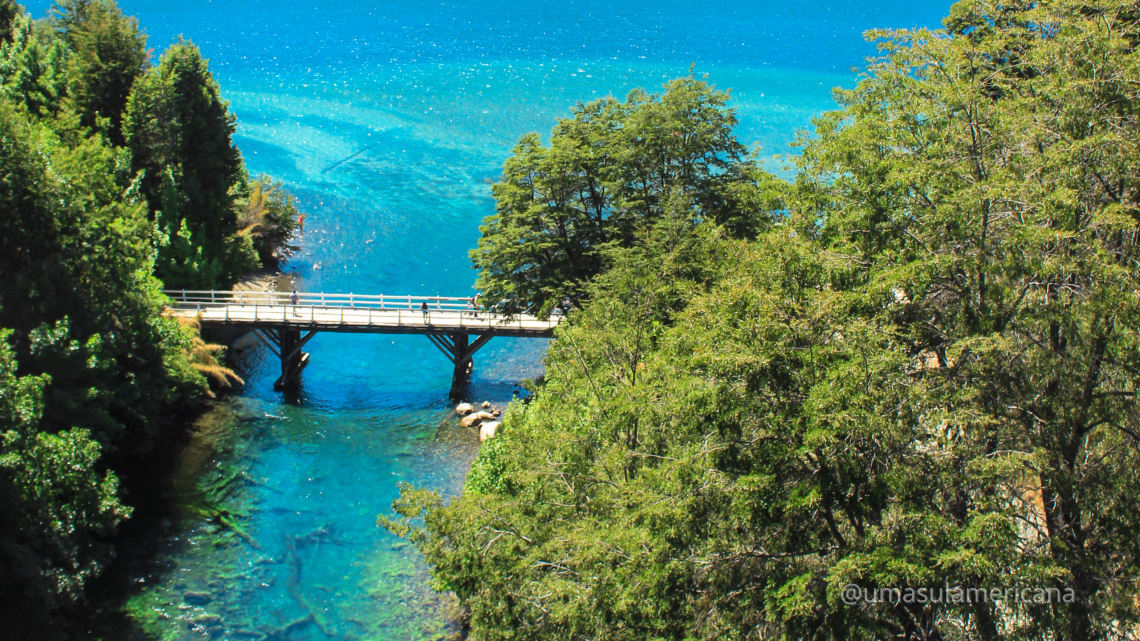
<point>389,120</point>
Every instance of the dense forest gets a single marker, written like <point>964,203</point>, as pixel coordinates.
<point>118,176</point>
<point>913,365</point>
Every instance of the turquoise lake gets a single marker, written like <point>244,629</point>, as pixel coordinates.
<point>389,120</point>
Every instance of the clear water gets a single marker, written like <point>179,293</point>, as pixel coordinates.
<point>389,119</point>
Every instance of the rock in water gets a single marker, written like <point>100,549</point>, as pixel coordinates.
<point>486,404</point>
<point>488,430</point>
<point>197,598</point>
<point>472,420</point>
<point>463,409</point>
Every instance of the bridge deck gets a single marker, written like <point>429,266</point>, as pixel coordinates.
<point>354,313</point>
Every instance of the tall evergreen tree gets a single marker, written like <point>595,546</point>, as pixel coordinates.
<point>180,134</point>
<point>9,11</point>
<point>108,55</point>
<point>33,68</point>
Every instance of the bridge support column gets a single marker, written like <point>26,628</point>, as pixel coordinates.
<point>463,365</point>
<point>286,343</point>
<point>460,350</point>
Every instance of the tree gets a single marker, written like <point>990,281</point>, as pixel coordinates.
<point>268,216</point>
<point>91,369</point>
<point>603,183</point>
<point>79,262</point>
<point>108,55</point>
<point>59,509</point>
<point>9,11</point>
<point>180,131</point>
<point>33,68</point>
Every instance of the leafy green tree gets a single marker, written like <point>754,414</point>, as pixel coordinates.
<point>9,11</point>
<point>59,508</point>
<point>108,55</point>
<point>268,216</point>
<point>33,67</point>
<point>603,183</point>
<point>987,178</point>
<point>100,371</point>
<point>78,258</point>
<point>180,131</point>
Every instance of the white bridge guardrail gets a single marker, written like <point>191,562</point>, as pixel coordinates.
<point>329,308</point>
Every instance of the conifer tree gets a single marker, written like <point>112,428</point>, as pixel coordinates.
<point>180,134</point>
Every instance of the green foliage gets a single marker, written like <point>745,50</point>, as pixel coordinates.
<point>179,131</point>
<point>58,507</point>
<point>108,370</point>
<point>33,69</point>
<point>268,217</point>
<point>108,55</point>
<point>924,374</point>
<point>92,372</point>
<point>603,183</point>
<point>10,10</point>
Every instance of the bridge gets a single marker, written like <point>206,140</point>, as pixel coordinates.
<point>285,325</point>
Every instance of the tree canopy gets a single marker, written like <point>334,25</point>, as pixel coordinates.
<point>920,371</point>
<point>180,134</point>
<point>109,54</point>
<point>602,183</point>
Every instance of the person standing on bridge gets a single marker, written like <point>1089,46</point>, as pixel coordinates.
<point>475,304</point>
<point>293,300</point>
<point>424,309</point>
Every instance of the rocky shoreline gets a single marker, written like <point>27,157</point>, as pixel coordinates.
<point>485,418</point>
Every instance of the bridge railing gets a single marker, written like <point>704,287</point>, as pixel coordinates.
<point>247,306</point>
<point>201,299</point>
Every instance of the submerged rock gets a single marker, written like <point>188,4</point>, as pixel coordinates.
<point>207,621</point>
<point>197,598</point>
<point>488,430</point>
<point>463,409</point>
